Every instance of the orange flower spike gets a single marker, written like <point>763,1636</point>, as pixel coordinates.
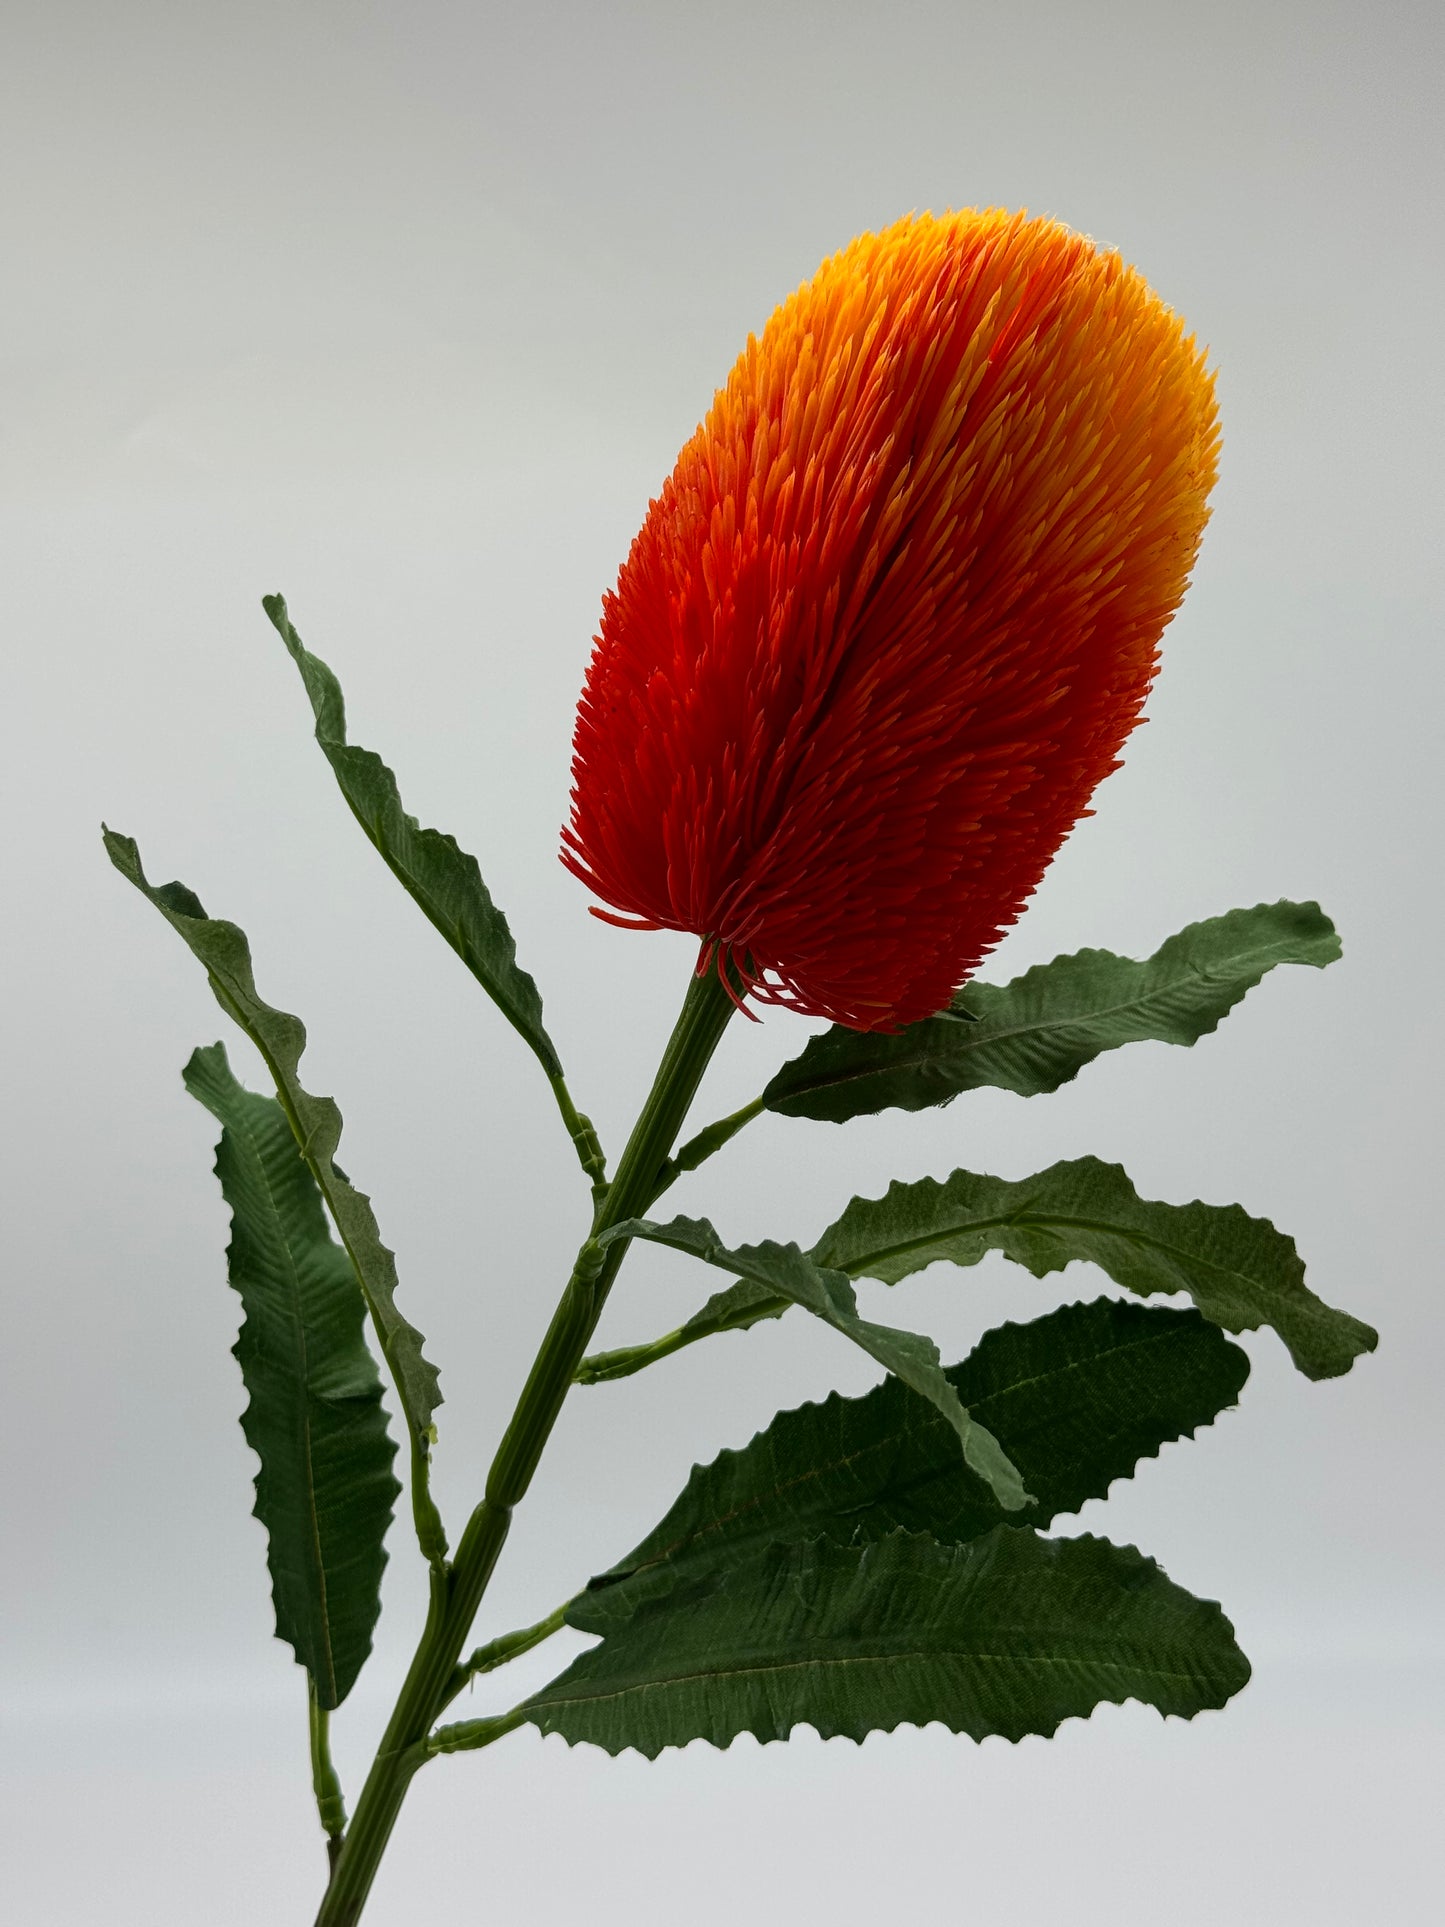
<point>894,613</point>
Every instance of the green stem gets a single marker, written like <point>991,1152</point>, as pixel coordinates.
<point>486,1659</point>
<point>705,1012</point>
<point>585,1140</point>
<point>467,1736</point>
<point>598,1367</point>
<point>707,1141</point>
<point>330,1805</point>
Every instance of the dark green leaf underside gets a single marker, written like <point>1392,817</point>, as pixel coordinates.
<point>1008,1635</point>
<point>316,1122</point>
<point>1075,1398</point>
<point>1037,1032</point>
<point>325,1489</point>
<point>441,878</point>
<point>792,1275</point>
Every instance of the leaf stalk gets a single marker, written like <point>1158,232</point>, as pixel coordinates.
<point>497,1652</point>
<point>326,1784</point>
<point>710,1140</point>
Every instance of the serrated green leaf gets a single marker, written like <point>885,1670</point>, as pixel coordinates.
<point>1076,1399</point>
<point>791,1274</point>
<point>1036,1033</point>
<point>1240,1271</point>
<point>440,877</point>
<point>325,1489</point>
<point>1010,1634</point>
<point>315,1123</point>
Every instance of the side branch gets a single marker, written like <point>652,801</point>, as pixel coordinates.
<point>467,1736</point>
<point>497,1652</point>
<point>709,1140</point>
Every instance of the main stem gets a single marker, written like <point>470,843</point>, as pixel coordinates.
<point>457,1593</point>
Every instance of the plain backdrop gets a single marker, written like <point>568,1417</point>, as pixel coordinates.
<point>405,310</point>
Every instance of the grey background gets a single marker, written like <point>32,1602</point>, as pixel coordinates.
<point>405,310</point>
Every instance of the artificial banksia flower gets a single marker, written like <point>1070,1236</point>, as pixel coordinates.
<point>894,613</point>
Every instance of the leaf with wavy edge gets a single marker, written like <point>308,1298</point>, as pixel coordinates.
<point>1010,1634</point>
<point>1076,1398</point>
<point>315,1420</point>
<point>316,1123</point>
<point>1240,1271</point>
<point>1038,1032</point>
<point>440,877</point>
<point>793,1275</point>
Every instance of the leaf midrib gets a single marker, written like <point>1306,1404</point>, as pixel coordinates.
<point>313,1518</point>
<point>921,1061</point>
<point>1032,1218</point>
<point>967,1655</point>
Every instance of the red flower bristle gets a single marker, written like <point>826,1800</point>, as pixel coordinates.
<point>894,613</point>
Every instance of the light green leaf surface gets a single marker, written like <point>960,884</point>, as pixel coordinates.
<point>1240,1271</point>
<point>1010,1634</point>
<point>1036,1033</point>
<point>325,1489</point>
<point>792,1275</point>
<point>1076,1399</point>
<point>316,1124</point>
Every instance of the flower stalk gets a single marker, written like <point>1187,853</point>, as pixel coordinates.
<point>429,1683</point>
